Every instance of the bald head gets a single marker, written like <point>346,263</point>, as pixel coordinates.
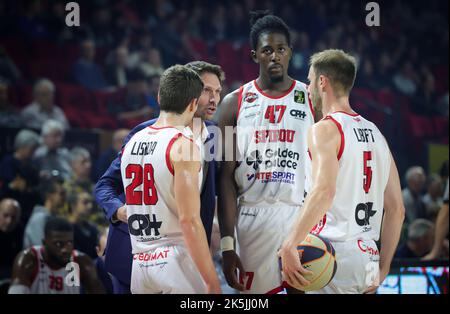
<point>9,214</point>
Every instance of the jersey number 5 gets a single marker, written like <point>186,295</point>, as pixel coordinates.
<point>367,182</point>
<point>140,175</point>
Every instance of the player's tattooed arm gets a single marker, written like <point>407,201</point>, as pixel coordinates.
<point>88,275</point>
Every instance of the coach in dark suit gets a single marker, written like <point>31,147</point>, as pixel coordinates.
<point>109,189</point>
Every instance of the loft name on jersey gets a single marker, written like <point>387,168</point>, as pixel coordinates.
<point>143,148</point>
<point>364,135</point>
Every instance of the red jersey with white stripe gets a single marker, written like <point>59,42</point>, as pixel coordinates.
<point>147,176</point>
<point>272,144</point>
<point>364,167</point>
<point>47,280</point>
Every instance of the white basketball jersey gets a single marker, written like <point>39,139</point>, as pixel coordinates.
<point>272,144</point>
<point>364,167</point>
<point>147,176</point>
<point>51,281</point>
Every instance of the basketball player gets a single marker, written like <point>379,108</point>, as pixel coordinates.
<point>161,174</point>
<point>352,177</point>
<point>109,190</point>
<point>46,270</point>
<point>261,190</point>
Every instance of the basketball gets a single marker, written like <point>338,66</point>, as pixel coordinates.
<point>317,255</point>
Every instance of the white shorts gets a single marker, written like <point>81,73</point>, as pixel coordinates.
<point>167,269</point>
<point>260,233</point>
<point>357,267</point>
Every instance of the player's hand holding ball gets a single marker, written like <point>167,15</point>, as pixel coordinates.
<point>292,269</point>
<point>309,266</point>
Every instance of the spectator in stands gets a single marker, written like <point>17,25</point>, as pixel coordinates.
<point>11,235</point>
<point>105,277</point>
<point>53,195</point>
<point>43,108</point>
<point>9,116</point>
<point>116,71</point>
<point>301,54</point>
<point>80,181</point>
<point>51,158</point>
<point>151,64</point>
<point>237,22</point>
<point>145,42</point>
<point>441,246</point>
<point>85,71</point>
<point>433,199</point>
<point>85,233</point>
<point>415,180</point>
<point>8,70</point>
<point>18,176</point>
<point>366,78</point>
<point>132,107</point>
<point>152,96</point>
<point>81,164</point>
<point>384,72</point>
<point>31,22</point>
<point>102,26</point>
<point>406,80</point>
<point>419,241</point>
<point>105,159</point>
<point>56,23</point>
<point>169,42</point>
<point>217,22</point>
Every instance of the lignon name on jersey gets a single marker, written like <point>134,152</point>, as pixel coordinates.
<point>143,148</point>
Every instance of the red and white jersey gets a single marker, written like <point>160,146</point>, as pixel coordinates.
<point>364,167</point>
<point>272,144</point>
<point>147,176</point>
<point>47,280</point>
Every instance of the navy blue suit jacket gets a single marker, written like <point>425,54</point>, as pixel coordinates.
<point>110,196</point>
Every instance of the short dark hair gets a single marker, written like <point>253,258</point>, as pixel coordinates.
<point>265,22</point>
<point>57,224</point>
<point>179,85</point>
<point>201,67</point>
<point>48,186</point>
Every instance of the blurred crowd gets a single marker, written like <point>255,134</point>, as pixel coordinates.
<point>111,66</point>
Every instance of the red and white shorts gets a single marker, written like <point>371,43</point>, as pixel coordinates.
<point>357,267</point>
<point>260,233</point>
<point>166,269</point>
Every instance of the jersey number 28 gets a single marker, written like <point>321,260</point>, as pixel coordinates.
<point>140,175</point>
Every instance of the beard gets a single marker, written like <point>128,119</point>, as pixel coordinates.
<point>276,78</point>
<point>58,260</point>
<point>316,100</point>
